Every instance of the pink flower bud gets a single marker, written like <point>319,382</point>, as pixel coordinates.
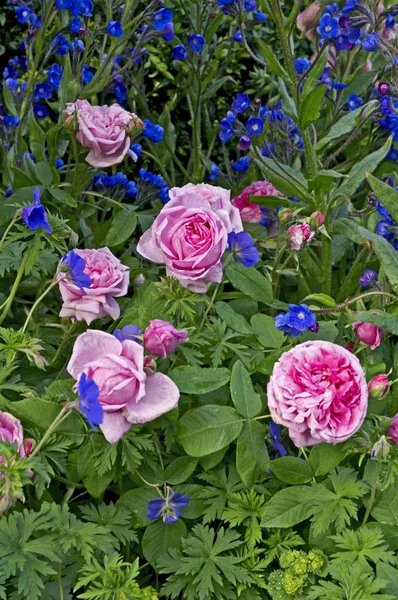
<point>383,88</point>
<point>5,503</point>
<point>369,334</point>
<point>378,386</point>
<point>29,446</point>
<point>350,346</point>
<point>285,215</point>
<point>149,365</point>
<point>161,338</point>
<point>316,219</point>
<point>300,235</point>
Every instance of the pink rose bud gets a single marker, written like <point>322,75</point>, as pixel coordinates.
<point>378,387</point>
<point>316,219</point>
<point>285,215</point>
<point>369,334</point>
<point>299,236</point>
<point>29,444</point>
<point>149,365</point>
<point>381,448</point>
<point>350,346</point>
<point>392,431</point>
<point>161,338</point>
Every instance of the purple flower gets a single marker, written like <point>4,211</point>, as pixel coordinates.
<point>34,216</point>
<point>196,42</point>
<point>129,332</point>
<point>298,319</point>
<point>368,278</point>
<point>276,438</point>
<point>115,29</point>
<point>167,508</point>
<point>89,401</point>
<point>162,18</point>
<point>179,52</point>
<point>76,270</point>
<point>241,245</point>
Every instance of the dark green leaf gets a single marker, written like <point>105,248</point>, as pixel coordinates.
<point>310,108</point>
<point>249,281</point>
<point>247,402</point>
<point>159,537</point>
<point>252,458</point>
<point>180,469</point>
<point>122,227</point>
<point>266,332</point>
<point>293,470</point>
<point>195,380</point>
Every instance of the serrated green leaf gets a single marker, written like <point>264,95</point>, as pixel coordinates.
<point>160,537</point>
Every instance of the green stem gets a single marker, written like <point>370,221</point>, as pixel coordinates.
<point>14,288</point>
<point>60,418</point>
<point>60,586</point>
<point>372,492</point>
<point>321,311</point>
<point>327,264</point>
<point>36,304</point>
<point>14,219</point>
<point>65,340</point>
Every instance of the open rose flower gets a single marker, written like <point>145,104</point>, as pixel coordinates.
<point>190,234</point>
<point>161,338</point>
<point>299,235</point>
<point>126,393</point>
<point>104,130</point>
<point>11,431</point>
<point>318,391</point>
<point>106,277</point>
<point>249,212</point>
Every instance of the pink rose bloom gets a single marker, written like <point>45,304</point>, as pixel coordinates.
<point>109,280</point>
<point>318,391</point>
<point>392,431</point>
<point>11,431</point>
<point>299,235</point>
<point>190,234</point>
<point>252,213</point>
<point>161,338</point>
<point>127,394</point>
<point>369,334</point>
<point>104,130</point>
<point>378,386</point>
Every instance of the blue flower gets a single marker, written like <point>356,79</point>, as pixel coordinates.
<point>42,91</point>
<point>196,42</point>
<point>168,33</point>
<point>54,75</point>
<point>89,401</point>
<point>64,4</point>
<point>255,126</point>
<point>392,154</point>
<point>75,25</point>
<point>168,509</point>
<point>241,165</point>
<point>77,46</point>
<point>23,13</point>
<point>354,101</point>
<point>332,8</point>
<point>301,65</point>
<point>260,16</point>
<point>11,121</point>
<point>214,173</point>
<point>162,18</point>
<point>81,7</point>
<point>250,5</point>
<point>390,21</point>
<point>61,44</point>
<point>40,111</point>
<point>381,210</point>
<point>350,5</point>
<point>129,332</point>
<point>12,84</point>
<point>241,103</point>
<point>328,27</point>
<point>137,149</point>
<point>152,131</point>
<point>35,21</point>
<point>164,194</point>
<point>59,163</point>
<point>76,270</point>
<point>370,42</point>
<point>115,29</point>
<point>179,52</point>
<point>276,438</point>
<point>241,245</point>
<point>8,192</point>
<point>238,36</point>
<point>34,216</point>
<point>245,142</point>
<point>368,278</point>
<point>131,189</point>
<point>87,75</point>
<point>299,318</point>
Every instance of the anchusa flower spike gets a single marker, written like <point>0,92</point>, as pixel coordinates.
<point>168,508</point>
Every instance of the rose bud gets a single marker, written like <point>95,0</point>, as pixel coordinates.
<point>369,334</point>
<point>285,215</point>
<point>316,219</point>
<point>378,386</point>
<point>161,338</point>
<point>299,235</point>
<point>149,365</point>
<point>392,431</point>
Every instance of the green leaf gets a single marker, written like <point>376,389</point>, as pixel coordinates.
<point>293,470</point>
<point>159,537</point>
<point>195,380</point>
<point>9,101</point>
<point>387,195</point>
<point>367,164</point>
<point>272,201</point>
<point>251,453</point>
<point>284,178</point>
<point>326,457</point>
<point>40,414</point>
<point>315,72</point>
<point>44,173</point>
<point>389,575</point>
<point>138,499</point>
<point>62,196</point>
<point>249,281</point>
<point>288,507</point>
<point>247,402</point>
<point>343,127</point>
<point>379,318</point>
<point>322,299</point>
<point>234,321</point>
<point>266,332</point>
<point>310,108</point>
<point>180,469</point>
<point>273,64</point>
<point>95,483</point>
<point>206,429</point>
<point>122,227</point>
<point>385,508</point>
<point>36,139</point>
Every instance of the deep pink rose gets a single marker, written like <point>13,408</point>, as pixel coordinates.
<point>299,235</point>
<point>189,235</point>
<point>127,394</point>
<point>103,129</point>
<point>11,431</point>
<point>161,338</point>
<point>392,431</point>
<point>369,334</point>
<point>249,212</point>
<point>109,280</point>
<point>378,386</point>
<point>318,391</point>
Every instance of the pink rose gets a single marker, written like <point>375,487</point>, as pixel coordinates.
<point>369,334</point>
<point>252,213</point>
<point>190,234</point>
<point>392,431</point>
<point>127,394</point>
<point>11,431</point>
<point>299,235</point>
<point>103,129</point>
<point>378,386</point>
<point>109,280</point>
<point>318,391</point>
<point>161,338</point>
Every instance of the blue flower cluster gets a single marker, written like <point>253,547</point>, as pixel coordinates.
<point>196,43</point>
<point>298,319</point>
<point>236,7</point>
<point>387,227</point>
<point>24,14</point>
<point>149,187</point>
<point>342,29</point>
<point>16,67</point>
<point>76,7</point>
<point>389,108</point>
<point>152,131</point>
<point>118,183</point>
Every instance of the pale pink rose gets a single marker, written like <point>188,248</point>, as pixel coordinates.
<point>249,212</point>
<point>392,431</point>
<point>190,234</point>
<point>318,391</point>
<point>127,394</point>
<point>161,338</point>
<point>307,21</point>
<point>378,386</point>
<point>109,280</point>
<point>369,334</point>
<point>299,235</point>
<point>104,130</point>
<point>11,431</point>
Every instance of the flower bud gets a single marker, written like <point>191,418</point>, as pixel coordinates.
<point>299,235</point>
<point>149,365</point>
<point>383,88</point>
<point>29,445</point>
<point>161,338</point>
<point>139,280</point>
<point>381,448</point>
<point>378,386</point>
<point>5,503</point>
<point>392,431</point>
<point>369,334</point>
<point>285,215</point>
<point>316,219</point>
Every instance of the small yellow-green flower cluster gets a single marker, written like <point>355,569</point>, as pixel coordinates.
<point>297,571</point>
<point>147,593</point>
